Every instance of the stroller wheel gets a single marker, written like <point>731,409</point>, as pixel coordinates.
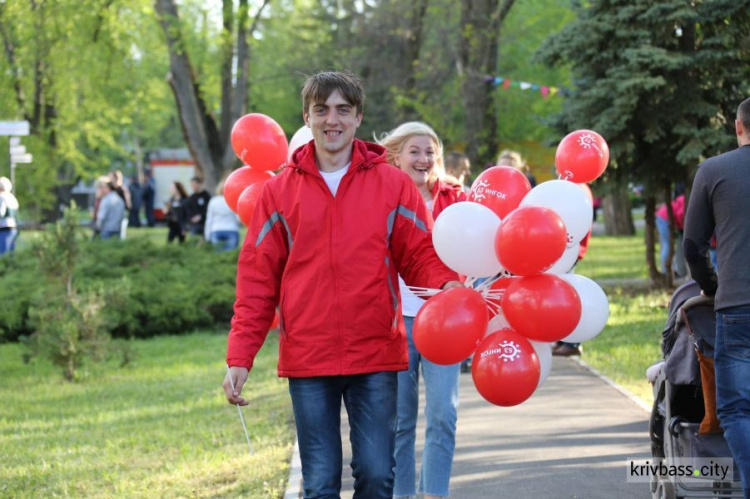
<point>664,490</point>
<point>674,426</point>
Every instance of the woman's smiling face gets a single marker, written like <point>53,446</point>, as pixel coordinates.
<point>417,158</point>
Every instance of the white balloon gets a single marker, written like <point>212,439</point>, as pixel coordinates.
<point>544,352</point>
<point>569,201</point>
<point>464,239</point>
<point>300,138</point>
<point>497,323</point>
<point>566,261</point>
<point>594,308</point>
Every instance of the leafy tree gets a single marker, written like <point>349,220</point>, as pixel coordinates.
<point>659,81</point>
<point>82,74</point>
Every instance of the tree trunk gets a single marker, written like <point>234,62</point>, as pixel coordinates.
<point>198,127</point>
<point>477,60</point>
<point>412,43</point>
<point>209,143</point>
<point>618,219</point>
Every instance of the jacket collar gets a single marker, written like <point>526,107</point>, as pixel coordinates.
<point>443,188</point>
<point>365,155</point>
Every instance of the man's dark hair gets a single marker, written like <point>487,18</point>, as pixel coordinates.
<point>743,114</point>
<point>319,87</point>
<point>197,180</point>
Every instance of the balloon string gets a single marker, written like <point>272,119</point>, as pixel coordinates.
<point>422,292</point>
<point>242,418</point>
<point>493,306</point>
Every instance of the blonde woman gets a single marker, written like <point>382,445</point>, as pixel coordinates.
<point>515,160</point>
<point>415,148</point>
<point>222,227</point>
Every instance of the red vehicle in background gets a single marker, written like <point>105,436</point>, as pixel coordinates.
<point>167,166</point>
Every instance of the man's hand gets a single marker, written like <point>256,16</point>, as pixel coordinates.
<point>239,376</point>
<point>452,284</point>
<point>195,219</point>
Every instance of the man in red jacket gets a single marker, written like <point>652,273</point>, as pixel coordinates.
<point>328,239</point>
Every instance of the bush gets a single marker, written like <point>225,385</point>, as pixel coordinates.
<point>150,289</point>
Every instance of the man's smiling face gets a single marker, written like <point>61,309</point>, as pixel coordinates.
<point>333,123</point>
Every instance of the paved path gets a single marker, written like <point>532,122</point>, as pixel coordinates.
<point>571,439</point>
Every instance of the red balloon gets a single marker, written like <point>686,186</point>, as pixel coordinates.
<point>530,240</point>
<point>246,204</point>
<point>448,327</point>
<point>582,156</point>
<point>259,142</point>
<point>276,320</point>
<point>543,307</point>
<point>505,368</point>
<point>239,180</point>
<point>500,188</point>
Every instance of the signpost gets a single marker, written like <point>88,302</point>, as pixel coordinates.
<point>17,152</point>
<point>15,128</point>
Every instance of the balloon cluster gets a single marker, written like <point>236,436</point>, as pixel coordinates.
<point>261,145</point>
<point>516,245</point>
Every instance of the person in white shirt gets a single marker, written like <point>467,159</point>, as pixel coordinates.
<point>222,224</point>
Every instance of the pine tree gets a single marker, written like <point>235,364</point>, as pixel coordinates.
<point>660,81</point>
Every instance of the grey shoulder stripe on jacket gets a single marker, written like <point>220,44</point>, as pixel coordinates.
<point>275,217</point>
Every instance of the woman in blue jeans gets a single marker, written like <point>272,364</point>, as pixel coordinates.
<point>222,224</point>
<point>416,149</point>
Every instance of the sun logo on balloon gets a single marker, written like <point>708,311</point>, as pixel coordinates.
<point>478,191</point>
<point>510,351</point>
<point>587,141</point>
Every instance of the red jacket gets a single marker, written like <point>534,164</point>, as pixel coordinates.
<point>444,195</point>
<point>678,209</point>
<point>332,265</point>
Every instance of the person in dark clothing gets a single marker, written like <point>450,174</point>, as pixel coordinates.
<point>136,200</point>
<point>719,204</point>
<point>176,211</point>
<point>198,206</point>
<point>148,195</point>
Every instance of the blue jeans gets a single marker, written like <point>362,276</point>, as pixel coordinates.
<point>714,261</point>
<point>109,234</point>
<point>662,226</point>
<point>225,240</point>
<point>8,240</point>
<point>441,412</point>
<point>370,401</point>
<point>732,366</point>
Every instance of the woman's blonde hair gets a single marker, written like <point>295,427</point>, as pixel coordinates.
<point>394,141</point>
<point>512,159</point>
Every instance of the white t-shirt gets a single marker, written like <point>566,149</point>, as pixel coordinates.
<point>333,179</point>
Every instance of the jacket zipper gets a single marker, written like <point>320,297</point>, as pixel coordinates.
<point>332,247</point>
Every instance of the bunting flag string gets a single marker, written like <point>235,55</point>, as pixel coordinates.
<point>545,90</point>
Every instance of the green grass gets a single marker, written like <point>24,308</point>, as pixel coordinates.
<point>159,427</point>
<point>631,341</point>
<point>615,257</point>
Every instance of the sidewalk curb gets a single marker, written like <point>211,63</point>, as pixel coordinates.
<point>633,398</point>
<point>294,485</point>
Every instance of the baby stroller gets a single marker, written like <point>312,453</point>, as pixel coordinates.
<point>679,409</point>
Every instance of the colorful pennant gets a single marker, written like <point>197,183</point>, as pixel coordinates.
<point>546,91</point>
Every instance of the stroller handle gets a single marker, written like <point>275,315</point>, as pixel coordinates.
<point>695,301</point>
